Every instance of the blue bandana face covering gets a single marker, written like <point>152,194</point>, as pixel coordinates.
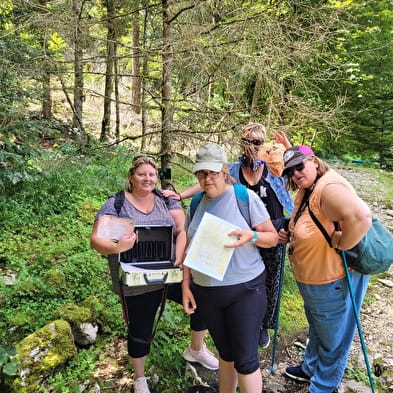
<point>253,165</point>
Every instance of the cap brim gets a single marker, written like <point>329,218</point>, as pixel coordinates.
<point>210,166</point>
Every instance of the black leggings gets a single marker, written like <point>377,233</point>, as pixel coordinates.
<point>234,316</point>
<point>142,310</point>
<point>272,260</point>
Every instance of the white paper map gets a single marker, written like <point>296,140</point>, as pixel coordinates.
<point>207,253</point>
<point>114,228</point>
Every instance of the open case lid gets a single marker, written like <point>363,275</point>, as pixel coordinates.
<point>155,245</point>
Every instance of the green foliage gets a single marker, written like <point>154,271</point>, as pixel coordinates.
<point>172,337</point>
<point>8,361</point>
<point>385,180</point>
<point>77,372</point>
<point>367,48</point>
<point>21,141</point>
<point>359,375</point>
<point>292,318</point>
<point>45,230</point>
<point>8,366</point>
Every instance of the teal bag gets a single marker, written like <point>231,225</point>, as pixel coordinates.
<point>373,254</point>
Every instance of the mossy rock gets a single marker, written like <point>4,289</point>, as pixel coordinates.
<point>40,353</point>
<point>74,314</point>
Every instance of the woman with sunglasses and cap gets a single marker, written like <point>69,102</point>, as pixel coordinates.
<point>255,174</point>
<point>144,204</point>
<point>318,268</point>
<point>233,307</point>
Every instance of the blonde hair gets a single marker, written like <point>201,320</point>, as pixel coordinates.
<point>136,163</point>
<point>322,168</point>
<point>228,178</point>
<point>255,130</point>
<point>252,131</point>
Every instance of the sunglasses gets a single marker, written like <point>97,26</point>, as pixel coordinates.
<point>299,167</point>
<point>142,157</point>
<point>255,142</point>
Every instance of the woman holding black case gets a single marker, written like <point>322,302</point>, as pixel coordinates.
<point>145,206</point>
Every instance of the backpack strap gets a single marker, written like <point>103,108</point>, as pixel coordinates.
<point>195,202</point>
<point>119,200</point>
<point>242,199</point>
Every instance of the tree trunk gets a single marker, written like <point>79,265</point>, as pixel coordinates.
<point>110,52</point>
<point>46,96</point>
<point>145,72</point>
<point>117,94</point>
<point>136,76</point>
<point>78,69</point>
<point>46,102</point>
<point>166,89</point>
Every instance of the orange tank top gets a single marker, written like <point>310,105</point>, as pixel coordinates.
<point>313,261</point>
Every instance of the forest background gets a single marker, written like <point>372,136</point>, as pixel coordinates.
<point>87,84</point>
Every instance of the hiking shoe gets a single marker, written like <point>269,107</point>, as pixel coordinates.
<point>296,372</point>
<point>140,385</point>
<point>203,357</point>
<point>264,338</point>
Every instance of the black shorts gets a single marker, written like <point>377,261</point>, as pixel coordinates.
<point>234,315</point>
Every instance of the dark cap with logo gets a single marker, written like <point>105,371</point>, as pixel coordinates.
<point>295,155</point>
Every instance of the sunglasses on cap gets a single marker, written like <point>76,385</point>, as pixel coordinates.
<point>143,157</point>
<point>299,167</point>
<point>255,142</point>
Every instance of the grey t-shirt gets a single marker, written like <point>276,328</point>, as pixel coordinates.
<point>246,262</point>
<point>160,215</point>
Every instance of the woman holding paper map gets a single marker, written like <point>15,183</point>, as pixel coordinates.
<point>233,307</point>
<point>145,206</point>
<point>259,169</point>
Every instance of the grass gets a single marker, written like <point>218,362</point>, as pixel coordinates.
<point>292,318</point>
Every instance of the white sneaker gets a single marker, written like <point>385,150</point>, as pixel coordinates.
<point>140,385</point>
<point>203,357</point>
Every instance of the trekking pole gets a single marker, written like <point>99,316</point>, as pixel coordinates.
<point>358,324</point>
<point>277,312</point>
